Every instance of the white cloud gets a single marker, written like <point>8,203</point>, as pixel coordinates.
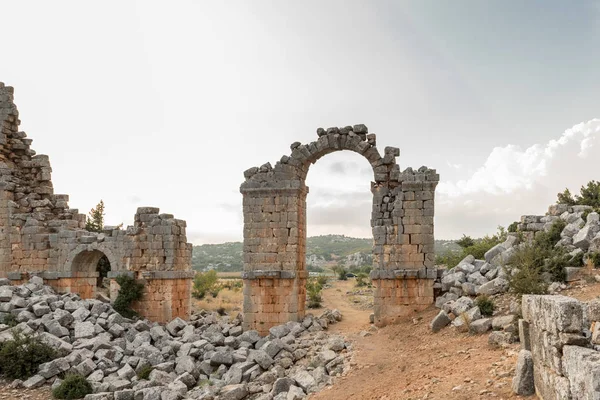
<point>515,181</point>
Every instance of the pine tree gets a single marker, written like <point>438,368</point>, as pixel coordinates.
<point>95,221</point>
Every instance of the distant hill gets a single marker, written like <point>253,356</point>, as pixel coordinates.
<point>321,251</point>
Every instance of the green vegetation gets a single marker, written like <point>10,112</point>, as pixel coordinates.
<point>528,277</point>
<point>10,320</point>
<point>129,291</point>
<point>313,289</point>
<point>74,386</point>
<point>534,260</point>
<point>362,279</point>
<point>144,372</point>
<point>475,247</point>
<point>593,257</point>
<point>589,195</point>
<point>486,305</point>
<point>322,280</point>
<point>227,257</point>
<point>95,219</point>
<point>341,272</point>
<point>513,227</point>
<point>205,283</point>
<point>21,356</point>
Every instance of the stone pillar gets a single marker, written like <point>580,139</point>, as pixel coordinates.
<point>274,256</point>
<point>5,230</point>
<point>403,253</point>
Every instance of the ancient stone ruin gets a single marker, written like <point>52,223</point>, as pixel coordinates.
<point>560,338</point>
<point>274,206</point>
<point>40,235</point>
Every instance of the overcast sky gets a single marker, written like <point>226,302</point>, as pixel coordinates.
<point>167,103</point>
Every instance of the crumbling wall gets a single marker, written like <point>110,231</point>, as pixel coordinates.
<point>40,234</point>
<point>274,207</point>
<point>563,336</point>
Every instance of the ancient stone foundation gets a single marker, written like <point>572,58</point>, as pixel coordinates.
<point>562,335</point>
<point>274,206</point>
<point>40,235</point>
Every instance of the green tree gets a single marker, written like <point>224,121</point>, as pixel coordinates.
<point>465,241</point>
<point>95,221</point>
<point>206,282</point>
<point>589,195</point>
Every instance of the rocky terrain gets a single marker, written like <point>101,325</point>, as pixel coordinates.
<point>208,357</point>
<point>579,238</point>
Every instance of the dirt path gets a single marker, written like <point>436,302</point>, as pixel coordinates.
<point>354,319</point>
<point>406,361</point>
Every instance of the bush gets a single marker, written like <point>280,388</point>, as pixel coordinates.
<point>486,305</point>
<point>589,196</point>
<point>10,320</point>
<point>322,280</point>
<point>525,275</point>
<point>465,241</point>
<point>362,279</point>
<point>21,356</point>
<point>144,372</point>
<point>206,282</point>
<point>475,247</point>
<point>341,272</point>
<point>129,291</point>
<point>593,257</point>
<point>72,387</point>
<point>313,290</point>
<point>513,227</point>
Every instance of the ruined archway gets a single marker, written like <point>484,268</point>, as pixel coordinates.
<point>274,207</point>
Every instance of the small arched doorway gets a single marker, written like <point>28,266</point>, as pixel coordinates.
<point>92,263</point>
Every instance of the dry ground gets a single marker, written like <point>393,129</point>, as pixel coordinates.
<point>404,361</point>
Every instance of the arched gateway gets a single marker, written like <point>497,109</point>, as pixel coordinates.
<point>274,209</point>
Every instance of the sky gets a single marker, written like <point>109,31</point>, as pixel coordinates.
<point>162,104</point>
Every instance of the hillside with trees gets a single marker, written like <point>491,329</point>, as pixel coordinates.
<point>325,250</point>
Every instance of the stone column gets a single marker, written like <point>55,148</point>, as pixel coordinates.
<point>403,253</point>
<point>5,230</point>
<point>274,256</point>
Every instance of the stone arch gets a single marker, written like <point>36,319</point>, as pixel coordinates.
<point>79,259</point>
<point>274,208</point>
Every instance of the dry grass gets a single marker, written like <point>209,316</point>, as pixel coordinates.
<point>227,299</point>
<point>229,275</point>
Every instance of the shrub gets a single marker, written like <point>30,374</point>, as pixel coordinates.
<point>341,272</point>
<point>129,291</point>
<point>362,279</point>
<point>513,227</point>
<point>486,305</point>
<point>21,356</point>
<point>547,240</point>
<point>465,241</point>
<point>589,196</point>
<point>206,282</point>
<point>313,290</point>
<point>10,320</point>
<point>475,247</point>
<point>525,275</point>
<point>593,257</point>
<point>322,280</point>
<point>144,372</point>
<point>74,386</point>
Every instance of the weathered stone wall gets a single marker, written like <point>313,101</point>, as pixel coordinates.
<point>563,336</point>
<point>40,234</point>
<point>274,206</point>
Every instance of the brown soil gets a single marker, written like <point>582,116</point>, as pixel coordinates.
<point>407,361</point>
